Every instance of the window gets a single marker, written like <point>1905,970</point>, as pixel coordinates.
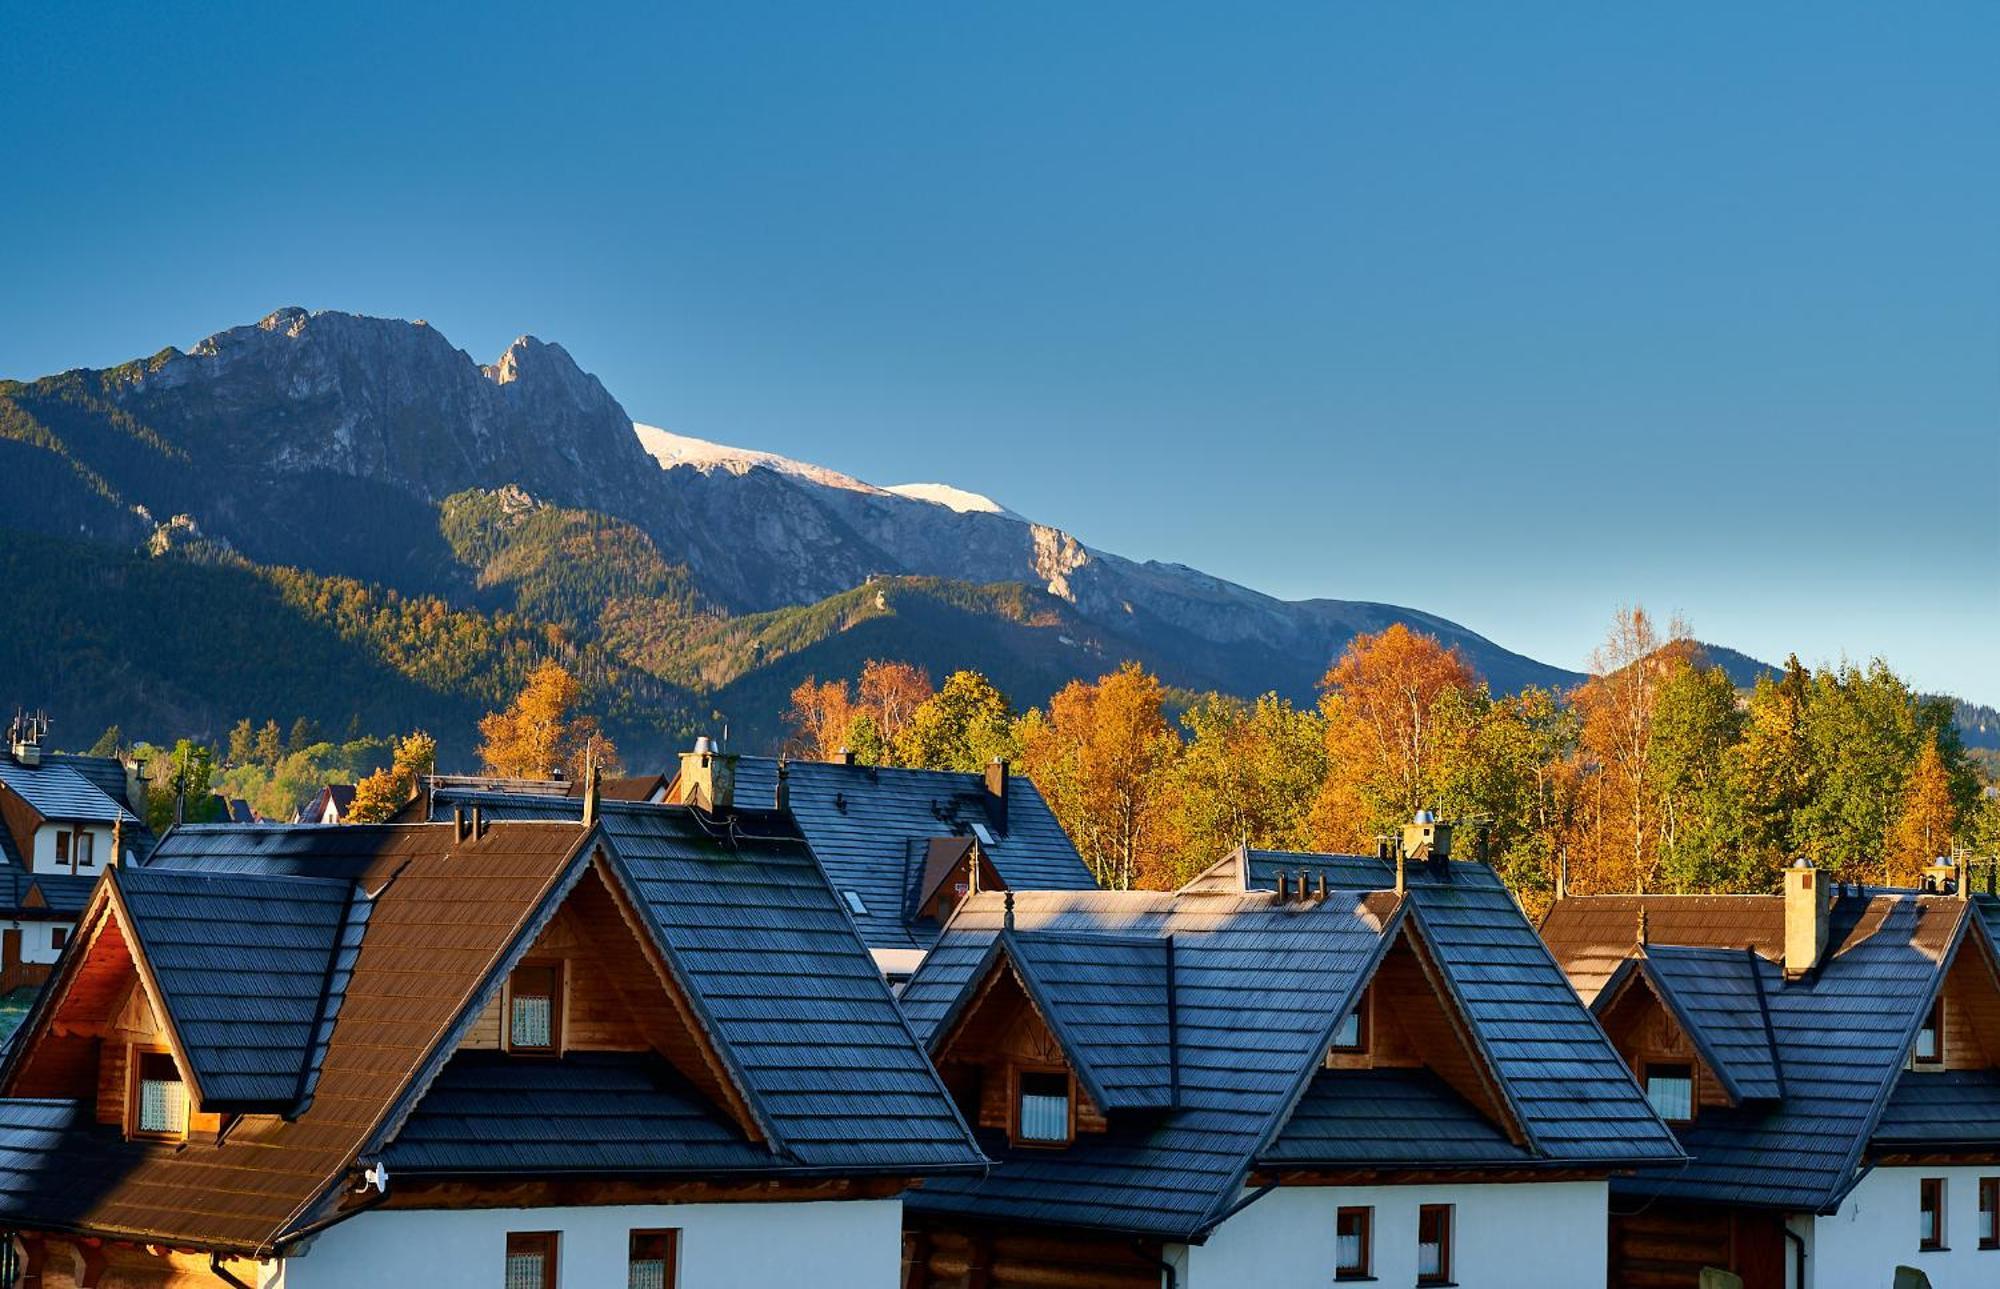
<point>531,1260</point>
<point>1353,1238</point>
<point>1351,1035</point>
<point>652,1261</point>
<point>62,849</point>
<point>1043,1107</point>
<point>58,937</point>
<point>1929,1048</point>
<point>1989,1212</point>
<point>84,846</point>
<point>534,1008</point>
<point>1930,1213</point>
<point>854,904</point>
<point>159,1098</point>
<point>1434,1244</point>
<point>1671,1090</point>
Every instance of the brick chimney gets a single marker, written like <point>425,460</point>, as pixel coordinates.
<point>1807,905</point>
<point>708,777</point>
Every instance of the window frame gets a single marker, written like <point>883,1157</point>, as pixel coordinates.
<point>1989,1213</point>
<point>1365,1268</point>
<point>136,1056</point>
<point>558,1011</point>
<point>58,938</point>
<point>1932,1197</point>
<point>547,1243</point>
<point>1015,1075</point>
<point>1448,1215</point>
<point>1364,1028</point>
<point>671,1235</point>
<point>1933,1024</point>
<point>82,850</point>
<point>65,854</point>
<point>1646,1071</point>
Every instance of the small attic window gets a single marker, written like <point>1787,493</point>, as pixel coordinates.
<point>1928,1051</point>
<point>1042,1108</point>
<point>1351,1035</point>
<point>854,904</point>
<point>534,1008</point>
<point>979,831</point>
<point>1670,1090</point>
<point>159,1098</point>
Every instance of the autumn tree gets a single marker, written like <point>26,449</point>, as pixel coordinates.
<point>242,743</point>
<point>1393,705</point>
<point>1923,830</point>
<point>379,795</point>
<point>1100,758</point>
<point>1775,759</point>
<point>890,695</point>
<point>1698,793</point>
<point>1248,773</point>
<point>540,732</point>
<point>1620,842</point>
<point>1520,772</point>
<point>963,726</point>
<point>819,719</point>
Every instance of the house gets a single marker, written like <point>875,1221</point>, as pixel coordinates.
<point>902,847</point>
<point>63,819</point>
<point>641,1048</point>
<point>1830,1060</point>
<point>1366,1072</point>
<point>332,804</point>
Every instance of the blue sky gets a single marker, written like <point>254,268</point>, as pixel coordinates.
<point>1509,312</point>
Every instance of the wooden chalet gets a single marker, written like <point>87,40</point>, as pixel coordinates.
<point>642,1048</point>
<point>1297,1070</point>
<point>1829,1058</point>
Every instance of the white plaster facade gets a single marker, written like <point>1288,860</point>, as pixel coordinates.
<point>828,1244</point>
<point>1522,1235</point>
<point>44,859</point>
<point>38,939</point>
<point>1876,1231</point>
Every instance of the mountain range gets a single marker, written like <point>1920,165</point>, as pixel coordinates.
<point>347,518</point>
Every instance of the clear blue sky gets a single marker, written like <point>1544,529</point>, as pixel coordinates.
<point>1510,312</point>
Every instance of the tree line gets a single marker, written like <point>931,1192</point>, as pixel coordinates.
<point>1655,774</point>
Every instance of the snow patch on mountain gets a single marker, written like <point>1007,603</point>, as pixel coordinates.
<point>943,494</point>
<point>671,449</point>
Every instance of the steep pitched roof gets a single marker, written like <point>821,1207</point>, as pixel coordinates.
<point>862,819</point>
<point>1258,987</point>
<point>1387,1118</point>
<point>445,917</point>
<point>1109,1000</point>
<point>252,971</point>
<point>1717,997</point>
<point>1575,1097</point>
<point>59,792</point>
<point>1939,1110</point>
<point>1840,1034</point>
<point>742,919</point>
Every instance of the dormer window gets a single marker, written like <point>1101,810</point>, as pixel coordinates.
<point>1670,1089</point>
<point>1043,1108</point>
<point>1928,1050</point>
<point>75,849</point>
<point>1350,1037</point>
<point>534,1008</point>
<point>157,1097</point>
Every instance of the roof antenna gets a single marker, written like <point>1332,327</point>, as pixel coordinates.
<point>1010,911</point>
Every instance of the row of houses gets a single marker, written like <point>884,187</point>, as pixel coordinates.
<point>760,1023</point>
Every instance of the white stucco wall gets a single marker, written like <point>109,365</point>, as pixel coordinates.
<point>37,940</point>
<point>1875,1231</point>
<point>1527,1235</point>
<point>852,1244</point>
<point>45,847</point>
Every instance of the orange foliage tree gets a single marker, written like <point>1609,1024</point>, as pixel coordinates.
<point>540,731</point>
<point>1923,831</point>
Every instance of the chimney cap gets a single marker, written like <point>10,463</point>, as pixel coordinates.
<point>704,745</point>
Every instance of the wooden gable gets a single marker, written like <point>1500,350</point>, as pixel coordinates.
<point>1000,1034</point>
<point>1971,997</point>
<point>619,995</point>
<point>1644,1031</point>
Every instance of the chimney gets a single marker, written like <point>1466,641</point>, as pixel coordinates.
<point>708,777</point>
<point>478,824</point>
<point>996,793</point>
<point>1319,895</point>
<point>1284,886</point>
<point>844,756</point>
<point>784,797</point>
<point>1942,877</point>
<point>1426,838</point>
<point>591,790</point>
<point>458,823</point>
<point>1806,909</point>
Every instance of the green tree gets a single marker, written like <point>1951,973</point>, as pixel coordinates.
<point>270,744</point>
<point>179,786</point>
<point>109,742</point>
<point>242,743</point>
<point>962,726</point>
<point>305,733</point>
<point>1695,728</point>
<point>1776,761</point>
<point>1248,772</point>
